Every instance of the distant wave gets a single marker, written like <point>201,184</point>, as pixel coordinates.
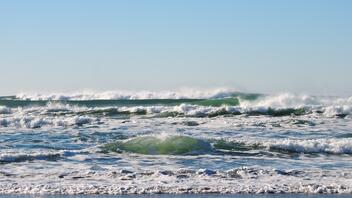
<point>60,115</point>
<point>36,111</point>
<point>36,114</point>
<point>131,95</point>
<point>215,97</point>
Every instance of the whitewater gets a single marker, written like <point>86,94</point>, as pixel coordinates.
<point>186,141</point>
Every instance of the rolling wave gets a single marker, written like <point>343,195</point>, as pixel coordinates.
<point>185,145</point>
<point>152,145</point>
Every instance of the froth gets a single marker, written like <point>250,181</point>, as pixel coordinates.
<point>332,146</point>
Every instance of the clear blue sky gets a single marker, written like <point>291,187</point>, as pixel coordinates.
<point>254,45</point>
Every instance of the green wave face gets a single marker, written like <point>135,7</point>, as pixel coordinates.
<point>151,145</point>
<point>218,102</point>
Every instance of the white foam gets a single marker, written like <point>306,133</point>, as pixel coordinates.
<point>330,106</point>
<point>32,122</point>
<point>332,145</point>
<point>63,115</point>
<point>237,180</point>
<point>331,111</point>
<point>284,100</point>
<point>4,110</point>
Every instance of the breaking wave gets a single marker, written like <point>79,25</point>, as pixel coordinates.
<point>328,146</point>
<point>24,111</point>
<point>131,95</point>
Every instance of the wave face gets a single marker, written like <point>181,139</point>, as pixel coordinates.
<point>186,141</point>
<point>170,145</point>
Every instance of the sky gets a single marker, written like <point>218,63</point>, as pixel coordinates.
<point>268,46</point>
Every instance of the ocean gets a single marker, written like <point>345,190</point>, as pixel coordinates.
<point>186,142</point>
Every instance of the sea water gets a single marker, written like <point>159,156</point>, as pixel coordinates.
<point>218,141</point>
